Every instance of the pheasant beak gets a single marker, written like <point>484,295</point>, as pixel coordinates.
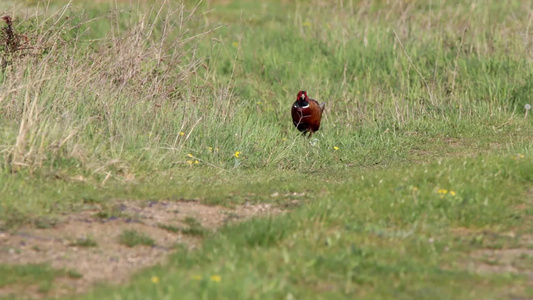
<point>302,97</point>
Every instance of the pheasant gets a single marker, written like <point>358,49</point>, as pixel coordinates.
<point>307,113</point>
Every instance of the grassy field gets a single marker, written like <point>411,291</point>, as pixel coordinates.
<point>419,185</point>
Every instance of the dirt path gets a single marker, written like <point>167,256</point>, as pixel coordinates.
<point>87,243</point>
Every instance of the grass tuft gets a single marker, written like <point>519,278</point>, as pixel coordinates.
<point>132,238</point>
<point>193,228</point>
<point>84,242</point>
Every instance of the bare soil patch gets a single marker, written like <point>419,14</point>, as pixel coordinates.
<point>104,259</point>
<point>516,261</point>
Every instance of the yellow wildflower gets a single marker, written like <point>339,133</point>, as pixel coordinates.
<point>190,155</point>
<point>452,193</point>
<point>335,148</point>
<point>190,162</point>
<point>237,153</point>
<point>196,277</point>
<point>442,191</point>
<point>216,278</point>
<point>306,24</point>
<point>210,149</point>
<point>182,133</point>
<point>196,162</point>
<point>415,188</point>
<point>155,279</point>
<point>235,44</point>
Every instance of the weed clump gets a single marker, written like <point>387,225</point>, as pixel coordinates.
<point>10,42</point>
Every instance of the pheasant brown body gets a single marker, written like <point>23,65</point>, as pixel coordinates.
<point>306,113</point>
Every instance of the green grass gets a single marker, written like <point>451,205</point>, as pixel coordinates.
<point>132,238</point>
<point>194,227</point>
<point>422,97</point>
<point>40,276</point>
<point>169,228</point>
<point>377,234</point>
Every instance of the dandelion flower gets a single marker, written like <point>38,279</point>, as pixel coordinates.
<point>190,162</point>
<point>216,278</point>
<point>452,193</point>
<point>190,155</point>
<point>527,106</point>
<point>196,162</point>
<point>210,149</point>
<point>335,148</point>
<point>235,44</point>
<point>155,279</point>
<point>237,153</point>
<point>182,133</point>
